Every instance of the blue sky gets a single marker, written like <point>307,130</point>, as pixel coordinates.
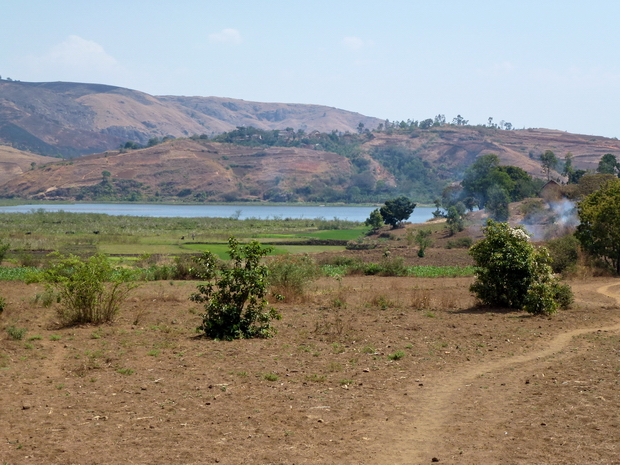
<point>551,64</point>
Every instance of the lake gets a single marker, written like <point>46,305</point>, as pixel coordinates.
<point>350,213</point>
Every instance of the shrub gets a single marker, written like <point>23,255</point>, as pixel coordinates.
<point>90,291</point>
<point>2,304</point>
<point>460,243</point>
<point>4,248</point>
<point>396,355</point>
<point>423,239</point>
<point>17,334</point>
<point>564,252</point>
<point>234,297</point>
<point>290,274</point>
<point>186,267</point>
<point>563,295</point>
<point>393,266</point>
<point>512,273</point>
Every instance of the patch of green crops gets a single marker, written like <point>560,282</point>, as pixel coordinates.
<point>440,271</point>
<point>16,274</point>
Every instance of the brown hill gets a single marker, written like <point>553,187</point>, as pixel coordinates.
<point>14,163</point>
<point>200,169</point>
<point>454,146</point>
<point>73,119</point>
<point>183,167</point>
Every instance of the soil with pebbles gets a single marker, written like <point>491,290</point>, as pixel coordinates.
<point>365,370</point>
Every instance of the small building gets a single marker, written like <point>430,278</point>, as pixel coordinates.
<point>551,192</point>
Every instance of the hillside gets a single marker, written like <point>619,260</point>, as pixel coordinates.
<point>461,145</point>
<point>74,119</point>
<point>14,163</point>
<point>187,169</point>
<point>221,149</point>
<point>417,163</point>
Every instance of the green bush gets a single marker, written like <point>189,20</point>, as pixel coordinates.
<point>234,297</point>
<point>393,266</point>
<point>89,291</point>
<point>512,273</point>
<point>460,243</point>
<point>564,252</point>
<point>290,274</point>
<point>424,240</point>
<point>563,295</point>
<point>17,334</point>
<point>4,248</point>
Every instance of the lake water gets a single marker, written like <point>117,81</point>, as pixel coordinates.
<point>350,213</point>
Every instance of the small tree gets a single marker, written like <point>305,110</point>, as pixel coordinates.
<point>234,297</point>
<point>512,273</point>
<point>89,291</point>
<point>599,230</point>
<point>454,218</point>
<point>548,161</point>
<point>424,240</point>
<point>375,220</point>
<point>608,164</point>
<point>498,204</point>
<point>395,211</point>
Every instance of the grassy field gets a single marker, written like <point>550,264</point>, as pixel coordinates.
<point>128,235</point>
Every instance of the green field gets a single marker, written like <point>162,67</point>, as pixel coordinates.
<point>40,232</point>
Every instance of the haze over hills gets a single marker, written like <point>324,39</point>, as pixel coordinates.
<point>318,154</point>
<point>73,119</point>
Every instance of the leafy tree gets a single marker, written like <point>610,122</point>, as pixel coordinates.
<point>375,220</point>
<point>395,211</point>
<point>486,175</point>
<point>481,175</point>
<point>588,184</point>
<point>568,169</point>
<point>575,176</point>
<point>608,164</point>
<point>234,297</point>
<point>512,273</point>
<point>599,231</point>
<point>549,162</point>
<point>497,204</point>
<point>454,218</point>
<point>426,124</point>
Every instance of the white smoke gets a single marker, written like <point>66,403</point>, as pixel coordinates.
<point>559,219</point>
<point>565,212</point>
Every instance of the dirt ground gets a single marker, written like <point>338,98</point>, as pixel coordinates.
<point>366,370</point>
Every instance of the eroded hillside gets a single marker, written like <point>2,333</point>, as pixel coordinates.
<point>74,119</point>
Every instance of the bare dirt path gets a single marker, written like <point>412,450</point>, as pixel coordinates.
<point>426,430</point>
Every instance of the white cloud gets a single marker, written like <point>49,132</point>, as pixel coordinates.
<point>226,36</point>
<point>353,43</point>
<point>75,59</point>
<point>498,69</point>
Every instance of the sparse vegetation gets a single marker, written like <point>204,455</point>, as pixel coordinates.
<point>290,275</point>
<point>16,334</point>
<point>89,291</point>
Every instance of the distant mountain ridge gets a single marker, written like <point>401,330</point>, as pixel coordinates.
<point>90,122</point>
<point>73,119</point>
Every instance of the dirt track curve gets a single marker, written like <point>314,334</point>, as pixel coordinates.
<point>417,439</point>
